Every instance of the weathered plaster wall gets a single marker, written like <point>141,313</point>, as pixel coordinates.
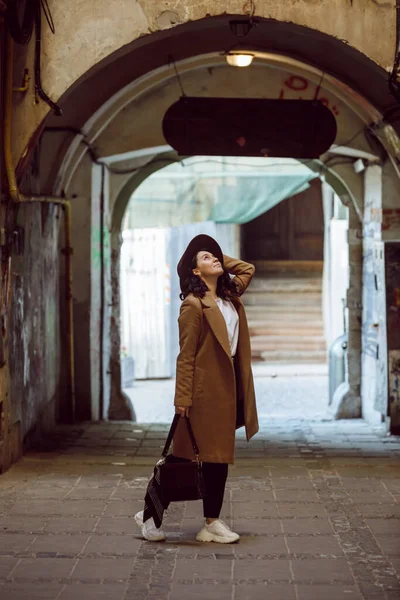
<point>88,32</point>
<point>356,22</point>
<point>33,321</point>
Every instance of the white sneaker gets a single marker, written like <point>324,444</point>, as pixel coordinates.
<point>217,531</point>
<point>149,529</point>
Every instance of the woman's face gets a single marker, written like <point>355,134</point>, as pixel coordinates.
<point>208,265</point>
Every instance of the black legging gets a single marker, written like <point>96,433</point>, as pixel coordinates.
<point>214,475</point>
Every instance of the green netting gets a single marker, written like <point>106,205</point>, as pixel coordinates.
<point>222,190</point>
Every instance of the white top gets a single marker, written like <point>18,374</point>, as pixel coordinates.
<point>231,317</point>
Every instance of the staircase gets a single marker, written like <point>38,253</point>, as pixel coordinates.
<point>284,312</point>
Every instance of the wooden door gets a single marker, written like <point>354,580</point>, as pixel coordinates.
<point>292,230</point>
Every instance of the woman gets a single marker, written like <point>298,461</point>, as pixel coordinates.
<point>214,382</point>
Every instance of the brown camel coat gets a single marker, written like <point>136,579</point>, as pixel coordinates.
<point>205,375</point>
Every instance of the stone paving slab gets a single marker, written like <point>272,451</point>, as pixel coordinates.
<point>317,505</point>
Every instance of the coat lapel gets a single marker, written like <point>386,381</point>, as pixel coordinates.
<point>216,321</point>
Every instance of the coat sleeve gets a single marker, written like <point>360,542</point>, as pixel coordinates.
<point>243,272</point>
<point>189,333</point>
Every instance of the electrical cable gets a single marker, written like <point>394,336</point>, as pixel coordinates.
<point>393,82</point>
<point>318,88</point>
<point>83,140</point>
<point>38,83</point>
<point>252,8</point>
<point>172,60</point>
<point>21,29</point>
<point>92,152</point>
<point>330,162</point>
<point>21,33</point>
<point>353,137</point>
<point>48,15</point>
<point>236,164</point>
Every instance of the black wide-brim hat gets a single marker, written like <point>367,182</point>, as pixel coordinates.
<point>200,242</point>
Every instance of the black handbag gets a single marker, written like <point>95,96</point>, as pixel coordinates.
<point>179,480</point>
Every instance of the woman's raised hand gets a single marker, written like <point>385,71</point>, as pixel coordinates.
<point>182,410</point>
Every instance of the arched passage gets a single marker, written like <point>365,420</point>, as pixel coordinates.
<point>118,121</point>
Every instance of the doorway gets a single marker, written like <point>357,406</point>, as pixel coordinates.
<point>292,230</point>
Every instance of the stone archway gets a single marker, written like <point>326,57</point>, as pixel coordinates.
<point>103,86</point>
<point>350,404</point>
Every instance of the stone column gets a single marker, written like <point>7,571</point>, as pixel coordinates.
<point>373,355</point>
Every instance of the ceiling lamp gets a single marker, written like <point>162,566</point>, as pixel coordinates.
<point>239,60</point>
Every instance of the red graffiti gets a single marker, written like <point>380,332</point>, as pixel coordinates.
<point>297,83</point>
<point>300,84</point>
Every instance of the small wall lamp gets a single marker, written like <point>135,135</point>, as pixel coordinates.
<point>238,59</point>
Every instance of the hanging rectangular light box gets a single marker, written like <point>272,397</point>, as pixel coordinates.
<point>249,127</point>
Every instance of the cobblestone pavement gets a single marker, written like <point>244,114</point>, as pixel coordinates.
<point>278,396</point>
<point>317,505</point>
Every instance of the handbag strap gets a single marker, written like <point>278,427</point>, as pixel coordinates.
<point>171,434</point>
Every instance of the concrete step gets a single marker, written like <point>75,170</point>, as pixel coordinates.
<point>285,316</point>
<point>287,334</point>
<point>299,345</point>
<point>279,332</point>
<point>285,306</point>
<point>289,356</point>
<point>303,337</point>
<point>256,312</point>
<point>281,299</point>
<point>285,285</point>
<point>285,266</point>
<point>280,307</point>
<point>283,320</point>
<point>286,325</point>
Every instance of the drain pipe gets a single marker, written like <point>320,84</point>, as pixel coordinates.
<point>18,198</point>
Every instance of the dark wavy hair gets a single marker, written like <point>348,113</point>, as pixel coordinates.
<point>193,284</point>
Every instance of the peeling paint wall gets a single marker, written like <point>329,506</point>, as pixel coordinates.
<point>374,359</point>
<point>34,319</point>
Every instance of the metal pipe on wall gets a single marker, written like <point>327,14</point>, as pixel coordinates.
<point>65,204</point>
<point>102,303</point>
